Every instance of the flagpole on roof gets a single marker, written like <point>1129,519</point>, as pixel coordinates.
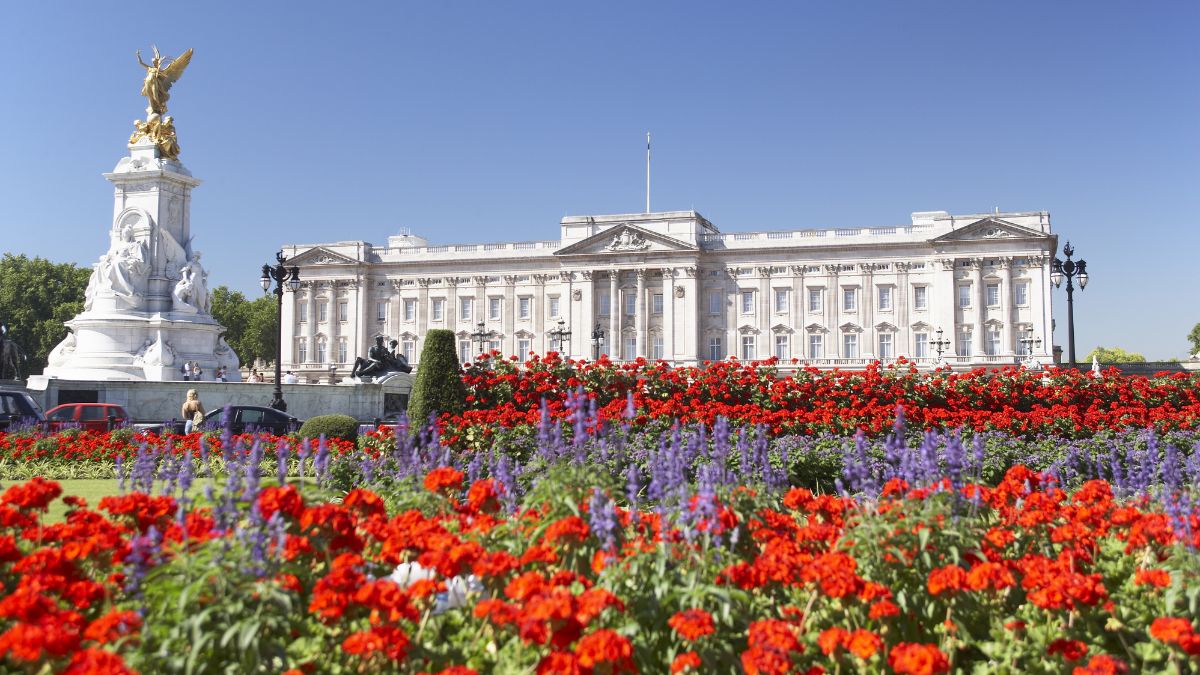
<point>647,172</point>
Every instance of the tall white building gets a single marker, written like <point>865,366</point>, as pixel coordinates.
<point>672,286</point>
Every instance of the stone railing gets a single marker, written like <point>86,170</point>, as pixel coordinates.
<point>512,246</point>
<point>717,240</point>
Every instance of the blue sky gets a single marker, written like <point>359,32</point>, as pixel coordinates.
<point>470,121</point>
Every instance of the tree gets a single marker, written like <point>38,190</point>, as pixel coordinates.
<point>1194,338</point>
<point>251,326</point>
<point>438,387</point>
<point>1113,355</point>
<point>36,298</point>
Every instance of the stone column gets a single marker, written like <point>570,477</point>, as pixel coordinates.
<point>796,320</point>
<point>586,314</point>
<point>639,314</point>
<point>1039,302</point>
<point>335,327</point>
<point>1006,308</point>
<point>395,312</point>
<point>979,299</point>
<point>945,295</point>
<point>868,340</point>
<point>361,336</point>
<point>668,317</point>
<point>450,311</point>
<point>690,342</point>
<point>541,344</point>
<point>312,323</point>
<point>614,314</point>
<point>510,317</point>
<point>733,313</point>
<point>480,310</point>
<point>423,313</point>
<point>904,341</point>
<point>566,309</point>
<point>764,315</point>
<point>833,303</point>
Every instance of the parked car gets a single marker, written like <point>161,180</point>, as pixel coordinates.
<point>250,418</point>
<point>89,416</point>
<point>17,407</point>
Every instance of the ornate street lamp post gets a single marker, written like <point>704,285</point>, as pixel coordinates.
<point>1069,269</point>
<point>282,275</point>
<point>939,345</point>
<point>560,335</point>
<point>481,335</point>
<point>1030,343</point>
<point>597,342</point>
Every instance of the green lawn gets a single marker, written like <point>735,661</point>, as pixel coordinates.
<point>91,489</point>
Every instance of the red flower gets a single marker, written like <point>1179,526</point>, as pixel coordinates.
<point>909,658</point>
<point>1159,578</point>
<point>1102,664</point>
<point>949,579</point>
<point>1071,650</point>
<point>685,661</point>
<point>443,479</point>
<point>606,647</point>
<point>692,624</point>
<point>97,662</point>
<point>113,626</point>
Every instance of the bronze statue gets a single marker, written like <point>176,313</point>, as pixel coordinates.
<point>159,78</point>
<point>11,356</point>
<point>380,361</point>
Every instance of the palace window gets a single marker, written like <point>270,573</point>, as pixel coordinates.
<point>495,307</point>
<point>993,295</point>
<point>747,302</point>
<point>715,302</point>
<point>465,306</point>
<point>322,311</point>
<point>410,310</point>
<point>816,346</point>
<point>630,348</point>
<point>849,299</point>
<point>964,343</point>
<point>1021,293</point>
<point>437,308</point>
<point>302,351</point>
<point>343,311</point>
<point>715,353</point>
<point>921,345</point>
<point>494,346</point>
<point>524,346</point>
<point>885,346</point>
<point>341,355</point>
<point>381,308</point>
<point>322,350</point>
<point>885,298</point>
<point>657,303</point>
<point>603,301</point>
<point>409,349</point>
<point>992,344</point>
<point>964,295</point>
<point>920,297</point>
<point>781,348</point>
<point>554,306</point>
<point>303,312</point>
<point>524,307</point>
<point>630,303</point>
<point>748,348</point>
<point>781,300</point>
<point>814,299</point>
<point>656,347</point>
<point>850,346</point>
<point>464,351</point>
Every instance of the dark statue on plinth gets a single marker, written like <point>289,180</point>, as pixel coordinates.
<point>380,361</point>
<point>11,356</point>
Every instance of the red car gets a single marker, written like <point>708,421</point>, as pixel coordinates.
<point>89,416</point>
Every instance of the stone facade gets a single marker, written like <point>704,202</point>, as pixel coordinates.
<point>670,285</point>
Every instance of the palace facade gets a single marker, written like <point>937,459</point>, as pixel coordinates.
<point>672,286</point>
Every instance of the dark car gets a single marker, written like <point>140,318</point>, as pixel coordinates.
<point>89,416</point>
<point>250,418</point>
<point>18,408</point>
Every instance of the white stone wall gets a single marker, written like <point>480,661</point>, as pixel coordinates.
<point>865,279</point>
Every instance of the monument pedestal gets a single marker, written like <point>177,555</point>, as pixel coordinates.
<point>146,311</point>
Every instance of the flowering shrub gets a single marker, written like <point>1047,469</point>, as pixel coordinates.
<point>608,554</point>
<point>504,394</point>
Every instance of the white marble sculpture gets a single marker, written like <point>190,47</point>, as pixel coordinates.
<point>191,291</point>
<point>121,272</point>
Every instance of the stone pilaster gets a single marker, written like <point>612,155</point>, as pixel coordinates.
<point>640,314</point>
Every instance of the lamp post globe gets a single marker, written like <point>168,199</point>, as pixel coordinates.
<point>1069,270</point>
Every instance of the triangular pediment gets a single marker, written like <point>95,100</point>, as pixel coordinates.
<point>816,328</point>
<point>851,328</point>
<point>921,327</point>
<point>989,229</point>
<point>319,255</point>
<point>623,240</point>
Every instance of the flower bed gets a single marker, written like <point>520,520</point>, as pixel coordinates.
<point>503,394</point>
<point>622,553</point>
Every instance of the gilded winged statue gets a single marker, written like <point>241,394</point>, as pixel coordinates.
<point>160,77</point>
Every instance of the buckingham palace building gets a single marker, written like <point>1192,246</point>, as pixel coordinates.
<point>972,290</point>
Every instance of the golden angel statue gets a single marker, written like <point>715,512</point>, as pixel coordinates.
<point>159,78</point>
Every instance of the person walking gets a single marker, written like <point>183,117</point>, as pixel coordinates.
<point>192,412</point>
